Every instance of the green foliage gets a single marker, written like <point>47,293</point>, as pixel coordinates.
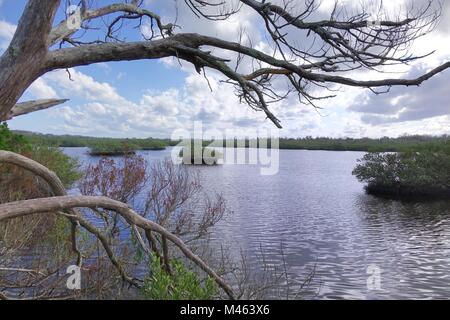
<point>57,238</point>
<point>150,144</point>
<point>184,284</point>
<point>18,184</point>
<point>10,141</point>
<point>123,146</point>
<point>425,172</point>
<point>65,167</point>
<point>206,152</point>
<point>97,143</point>
<point>385,144</point>
<point>110,148</point>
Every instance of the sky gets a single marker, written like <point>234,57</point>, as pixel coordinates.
<point>154,98</point>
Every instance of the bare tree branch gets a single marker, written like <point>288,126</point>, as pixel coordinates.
<point>341,43</point>
<point>44,205</point>
<point>69,204</point>
<point>186,46</point>
<point>35,167</point>
<point>21,63</point>
<point>34,105</point>
<point>63,31</point>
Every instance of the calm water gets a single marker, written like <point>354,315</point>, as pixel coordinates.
<point>319,214</point>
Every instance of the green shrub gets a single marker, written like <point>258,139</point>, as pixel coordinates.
<point>111,148</point>
<point>65,167</point>
<point>183,284</point>
<point>408,173</point>
<point>10,141</point>
<point>36,233</point>
<point>53,158</point>
<point>150,144</point>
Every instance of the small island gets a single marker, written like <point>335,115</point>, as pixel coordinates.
<point>111,149</point>
<point>156,148</point>
<point>108,148</point>
<point>205,156</point>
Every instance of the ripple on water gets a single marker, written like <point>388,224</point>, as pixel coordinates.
<point>317,212</point>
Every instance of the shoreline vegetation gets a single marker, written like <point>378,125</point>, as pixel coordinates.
<point>414,174</point>
<point>53,242</point>
<point>403,167</point>
<point>385,144</point>
<point>106,147</point>
<point>123,148</point>
<point>112,149</point>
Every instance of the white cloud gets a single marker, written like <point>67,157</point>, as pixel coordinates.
<point>40,89</point>
<point>102,110</point>
<point>83,86</point>
<point>105,112</point>
<point>405,104</point>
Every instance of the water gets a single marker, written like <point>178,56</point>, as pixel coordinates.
<point>319,214</point>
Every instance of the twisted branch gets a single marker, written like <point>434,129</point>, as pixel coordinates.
<point>45,205</point>
<point>68,204</point>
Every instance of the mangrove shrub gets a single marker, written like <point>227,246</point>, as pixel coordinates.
<point>424,173</point>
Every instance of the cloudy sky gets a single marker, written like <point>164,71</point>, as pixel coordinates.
<point>154,98</point>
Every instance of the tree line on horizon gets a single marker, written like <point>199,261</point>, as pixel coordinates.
<point>384,144</point>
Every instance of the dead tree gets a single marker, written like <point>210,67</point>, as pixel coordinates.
<point>343,42</point>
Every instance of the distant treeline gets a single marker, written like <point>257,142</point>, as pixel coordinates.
<point>385,144</point>
<point>95,143</point>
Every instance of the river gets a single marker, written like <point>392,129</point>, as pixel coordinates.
<point>315,214</point>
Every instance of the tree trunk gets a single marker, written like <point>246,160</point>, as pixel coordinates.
<point>22,61</point>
